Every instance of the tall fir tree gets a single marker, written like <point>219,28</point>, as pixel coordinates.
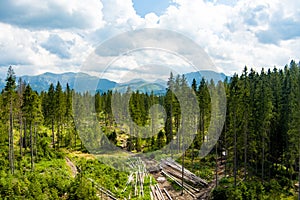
<point>9,99</point>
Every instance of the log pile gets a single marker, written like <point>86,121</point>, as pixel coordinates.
<point>137,176</point>
<point>156,193</point>
<point>173,171</point>
<point>171,167</point>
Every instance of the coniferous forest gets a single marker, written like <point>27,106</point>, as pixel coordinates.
<point>257,156</point>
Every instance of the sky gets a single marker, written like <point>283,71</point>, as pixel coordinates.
<point>58,36</point>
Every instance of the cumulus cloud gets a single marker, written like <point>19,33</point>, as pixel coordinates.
<point>280,29</point>
<point>119,12</point>
<point>51,14</point>
<point>56,35</point>
<point>25,50</point>
<point>237,33</point>
<point>148,64</point>
<point>58,46</point>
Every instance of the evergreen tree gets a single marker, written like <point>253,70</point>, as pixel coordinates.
<point>169,108</point>
<point>234,88</point>
<point>21,88</point>
<point>204,106</point>
<point>9,99</point>
<point>245,92</point>
<point>33,114</point>
<point>59,111</point>
<point>294,123</point>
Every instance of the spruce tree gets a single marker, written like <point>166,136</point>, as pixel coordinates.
<point>9,98</point>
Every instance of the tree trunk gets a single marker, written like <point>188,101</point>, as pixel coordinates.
<point>299,172</point>
<point>52,128</point>
<point>20,116</point>
<point>171,125</point>
<point>31,148</point>
<point>202,126</point>
<point>21,138</point>
<point>58,135</point>
<point>299,178</point>
<point>263,159</point>
<point>235,154</point>
<point>35,140</point>
<point>25,135</point>
<point>11,139</point>
<point>225,144</point>
<point>193,154</point>
<point>245,152</point>
<point>216,164</point>
<point>182,171</point>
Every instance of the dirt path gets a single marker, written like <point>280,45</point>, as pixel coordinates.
<point>72,166</point>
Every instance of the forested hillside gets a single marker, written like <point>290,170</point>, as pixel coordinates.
<point>258,148</point>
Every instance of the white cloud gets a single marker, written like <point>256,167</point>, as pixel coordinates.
<point>57,36</point>
<point>120,13</point>
<point>228,33</point>
<point>148,64</point>
<point>24,50</point>
<point>51,14</point>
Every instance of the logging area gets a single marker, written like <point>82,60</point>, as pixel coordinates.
<point>44,137</point>
<point>162,179</point>
<point>194,187</point>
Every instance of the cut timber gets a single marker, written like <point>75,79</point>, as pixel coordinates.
<point>168,195</point>
<point>159,191</point>
<point>101,189</point>
<point>178,183</point>
<point>171,167</point>
<point>187,186</point>
<point>156,193</point>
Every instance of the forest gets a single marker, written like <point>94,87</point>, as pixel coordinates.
<point>258,151</point>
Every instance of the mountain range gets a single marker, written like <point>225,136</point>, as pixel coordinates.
<point>42,82</point>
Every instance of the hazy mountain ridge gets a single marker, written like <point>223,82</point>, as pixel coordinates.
<point>215,76</point>
<point>142,86</point>
<point>92,83</point>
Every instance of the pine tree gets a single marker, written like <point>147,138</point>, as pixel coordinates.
<point>168,103</point>
<point>160,139</point>
<point>265,113</point>
<point>204,105</point>
<point>178,89</point>
<point>68,115</point>
<point>232,109</point>
<point>59,111</point>
<point>294,123</point>
<point>32,112</point>
<point>21,88</point>
<point>50,111</point>
<point>245,92</point>
<point>9,97</point>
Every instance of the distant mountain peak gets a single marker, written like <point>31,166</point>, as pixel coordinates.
<point>136,80</point>
<point>42,82</point>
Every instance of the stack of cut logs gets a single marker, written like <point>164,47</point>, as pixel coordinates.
<point>137,176</point>
<point>157,194</point>
<point>173,171</point>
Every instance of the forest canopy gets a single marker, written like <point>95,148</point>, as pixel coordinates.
<point>259,144</point>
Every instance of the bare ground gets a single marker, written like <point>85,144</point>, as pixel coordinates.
<point>72,166</point>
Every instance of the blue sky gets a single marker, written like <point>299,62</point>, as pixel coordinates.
<point>58,36</point>
<point>144,7</point>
